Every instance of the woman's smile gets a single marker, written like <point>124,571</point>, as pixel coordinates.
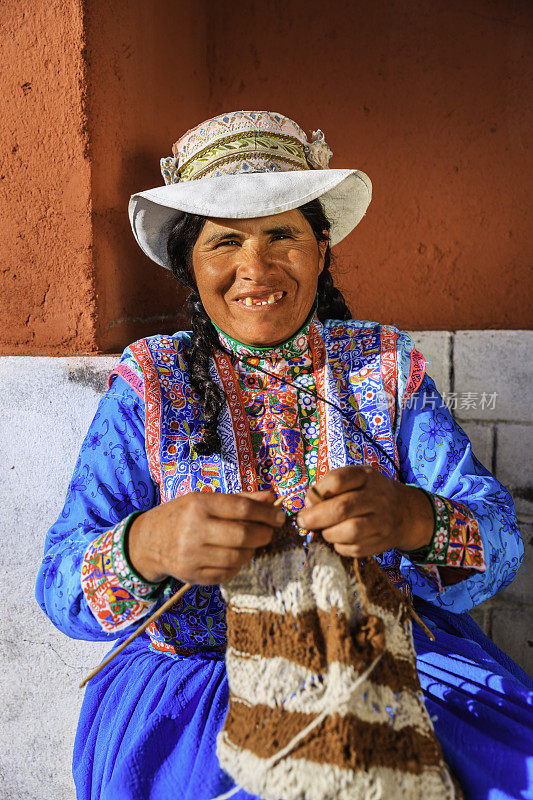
<point>257,278</point>
<point>261,301</point>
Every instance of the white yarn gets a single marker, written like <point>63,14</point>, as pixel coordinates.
<point>328,708</point>
<point>301,778</point>
<point>318,719</point>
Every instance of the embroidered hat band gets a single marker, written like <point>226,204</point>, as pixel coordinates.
<point>264,142</point>
<point>251,152</point>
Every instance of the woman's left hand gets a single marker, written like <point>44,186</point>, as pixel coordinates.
<point>363,513</point>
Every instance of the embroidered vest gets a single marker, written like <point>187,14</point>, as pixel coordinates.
<point>356,368</point>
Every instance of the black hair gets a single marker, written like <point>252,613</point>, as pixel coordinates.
<point>204,339</point>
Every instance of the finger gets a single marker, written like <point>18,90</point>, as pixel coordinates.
<point>343,479</point>
<point>352,531</point>
<point>312,496</point>
<point>263,495</point>
<point>239,535</point>
<point>363,549</point>
<point>244,507</point>
<point>337,509</point>
<point>209,576</point>
<point>226,557</point>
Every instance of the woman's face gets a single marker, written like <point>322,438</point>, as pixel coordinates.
<point>257,278</point>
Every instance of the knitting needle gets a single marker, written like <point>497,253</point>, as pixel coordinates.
<point>168,604</point>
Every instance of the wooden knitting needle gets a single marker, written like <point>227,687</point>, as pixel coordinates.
<point>423,625</point>
<point>168,604</point>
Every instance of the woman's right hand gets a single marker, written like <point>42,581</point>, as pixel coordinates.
<point>202,537</point>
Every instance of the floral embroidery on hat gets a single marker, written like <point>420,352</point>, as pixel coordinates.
<point>244,141</point>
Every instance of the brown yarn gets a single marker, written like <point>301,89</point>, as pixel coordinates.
<point>274,730</point>
<point>364,596</point>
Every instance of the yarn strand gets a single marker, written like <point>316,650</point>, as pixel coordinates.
<point>301,735</point>
<point>318,719</point>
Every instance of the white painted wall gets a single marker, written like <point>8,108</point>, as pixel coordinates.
<point>46,406</point>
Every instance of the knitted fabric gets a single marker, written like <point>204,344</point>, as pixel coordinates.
<point>325,701</point>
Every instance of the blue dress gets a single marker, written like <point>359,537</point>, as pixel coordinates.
<point>149,720</point>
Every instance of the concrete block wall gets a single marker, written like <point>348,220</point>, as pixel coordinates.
<point>46,405</point>
<point>488,377</point>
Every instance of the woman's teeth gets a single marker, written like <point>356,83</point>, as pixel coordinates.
<point>257,301</point>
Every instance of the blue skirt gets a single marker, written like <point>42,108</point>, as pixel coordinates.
<point>149,721</point>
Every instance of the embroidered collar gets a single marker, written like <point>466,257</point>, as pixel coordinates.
<point>294,347</point>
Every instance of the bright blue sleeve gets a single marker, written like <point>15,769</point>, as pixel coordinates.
<point>435,454</point>
<point>111,480</point>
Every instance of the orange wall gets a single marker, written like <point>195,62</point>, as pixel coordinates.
<point>46,272</point>
<point>429,98</point>
<point>147,84</point>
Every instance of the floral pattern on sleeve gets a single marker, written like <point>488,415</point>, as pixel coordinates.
<point>456,541</point>
<point>116,595</point>
<point>111,480</point>
<point>477,524</point>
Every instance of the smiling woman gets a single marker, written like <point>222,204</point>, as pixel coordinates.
<point>277,393</point>
<point>257,278</point>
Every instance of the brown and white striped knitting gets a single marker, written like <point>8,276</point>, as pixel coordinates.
<point>325,701</point>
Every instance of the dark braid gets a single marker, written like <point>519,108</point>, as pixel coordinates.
<point>204,339</point>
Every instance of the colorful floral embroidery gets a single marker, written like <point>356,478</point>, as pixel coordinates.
<point>240,426</point>
<point>197,620</point>
<point>174,422</point>
<point>116,595</point>
<point>416,374</point>
<point>365,385</point>
<point>132,374</point>
<point>456,541</point>
<point>283,421</point>
<point>465,548</point>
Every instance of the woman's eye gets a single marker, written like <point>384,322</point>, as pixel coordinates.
<point>226,242</point>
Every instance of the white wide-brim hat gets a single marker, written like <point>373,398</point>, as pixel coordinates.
<point>243,165</point>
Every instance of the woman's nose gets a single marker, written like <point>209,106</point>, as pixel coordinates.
<point>253,263</point>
